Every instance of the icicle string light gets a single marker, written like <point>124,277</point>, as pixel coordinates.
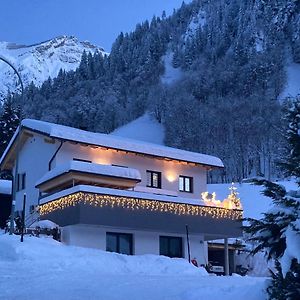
<point>98,200</point>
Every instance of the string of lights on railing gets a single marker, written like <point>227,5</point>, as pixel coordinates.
<point>98,200</point>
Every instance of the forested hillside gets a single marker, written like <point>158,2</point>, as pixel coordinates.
<point>211,73</point>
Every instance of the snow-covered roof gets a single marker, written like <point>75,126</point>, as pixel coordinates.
<point>5,187</point>
<point>86,167</point>
<point>121,193</point>
<point>120,143</point>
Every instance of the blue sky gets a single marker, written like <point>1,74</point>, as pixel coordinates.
<point>98,21</point>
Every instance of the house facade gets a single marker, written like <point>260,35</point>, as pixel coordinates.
<point>117,194</point>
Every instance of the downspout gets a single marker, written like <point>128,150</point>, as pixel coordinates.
<point>54,155</point>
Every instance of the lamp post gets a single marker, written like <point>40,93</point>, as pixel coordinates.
<point>15,179</point>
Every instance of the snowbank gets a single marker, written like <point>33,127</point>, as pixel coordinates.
<point>41,268</point>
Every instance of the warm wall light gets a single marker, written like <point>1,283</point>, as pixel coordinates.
<point>171,176</point>
<point>103,157</point>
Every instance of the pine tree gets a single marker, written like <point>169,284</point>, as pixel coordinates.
<point>291,163</point>
<point>278,232</point>
<point>9,121</point>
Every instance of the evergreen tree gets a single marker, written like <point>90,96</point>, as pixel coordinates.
<point>291,163</point>
<point>9,121</point>
<point>278,232</point>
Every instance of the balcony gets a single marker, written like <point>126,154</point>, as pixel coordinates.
<point>77,172</point>
<point>92,205</point>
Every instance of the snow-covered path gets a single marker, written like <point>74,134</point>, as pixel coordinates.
<point>44,269</point>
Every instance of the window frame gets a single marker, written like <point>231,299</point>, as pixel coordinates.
<point>118,234</point>
<point>151,179</point>
<point>169,238</point>
<point>191,184</point>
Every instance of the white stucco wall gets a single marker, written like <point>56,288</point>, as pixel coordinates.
<point>170,170</point>
<point>33,160</point>
<point>36,153</point>
<point>144,242</point>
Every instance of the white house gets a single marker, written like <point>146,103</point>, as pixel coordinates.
<point>118,194</point>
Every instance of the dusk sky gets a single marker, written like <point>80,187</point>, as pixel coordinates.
<point>98,21</point>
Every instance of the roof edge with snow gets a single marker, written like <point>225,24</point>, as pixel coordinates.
<point>71,134</point>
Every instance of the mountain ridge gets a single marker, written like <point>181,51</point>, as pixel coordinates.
<point>37,62</point>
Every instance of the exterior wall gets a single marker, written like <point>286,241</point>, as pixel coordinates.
<point>33,160</point>
<point>170,170</point>
<point>35,155</point>
<point>144,242</point>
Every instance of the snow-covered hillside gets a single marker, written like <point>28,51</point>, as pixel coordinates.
<point>41,268</point>
<point>146,128</point>
<point>40,61</point>
<point>292,87</point>
<point>253,202</point>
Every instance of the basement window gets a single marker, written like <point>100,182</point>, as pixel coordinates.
<point>119,243</point>
<point>170,246</point>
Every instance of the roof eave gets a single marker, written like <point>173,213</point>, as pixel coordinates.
<point>19,129</point>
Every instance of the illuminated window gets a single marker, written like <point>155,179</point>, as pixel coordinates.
<point>154,179</point>
<point>185,184</point>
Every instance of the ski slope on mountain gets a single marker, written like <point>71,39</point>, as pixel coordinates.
<point>41,268</point>
<point>36,63</point>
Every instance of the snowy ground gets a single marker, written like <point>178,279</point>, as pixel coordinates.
<point>41,268</point>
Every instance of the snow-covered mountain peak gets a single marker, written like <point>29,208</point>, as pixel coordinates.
<point>40,61</point>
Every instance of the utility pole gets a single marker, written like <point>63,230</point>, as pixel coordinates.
<point>15,177</point>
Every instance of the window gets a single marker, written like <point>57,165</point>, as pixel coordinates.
<point>21,181</point>
<point>119,242</point>
<point>170,246</point>
<point>185,184</point>
<point>154,179</point>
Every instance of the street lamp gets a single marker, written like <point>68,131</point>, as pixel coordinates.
<point>11,229</point>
